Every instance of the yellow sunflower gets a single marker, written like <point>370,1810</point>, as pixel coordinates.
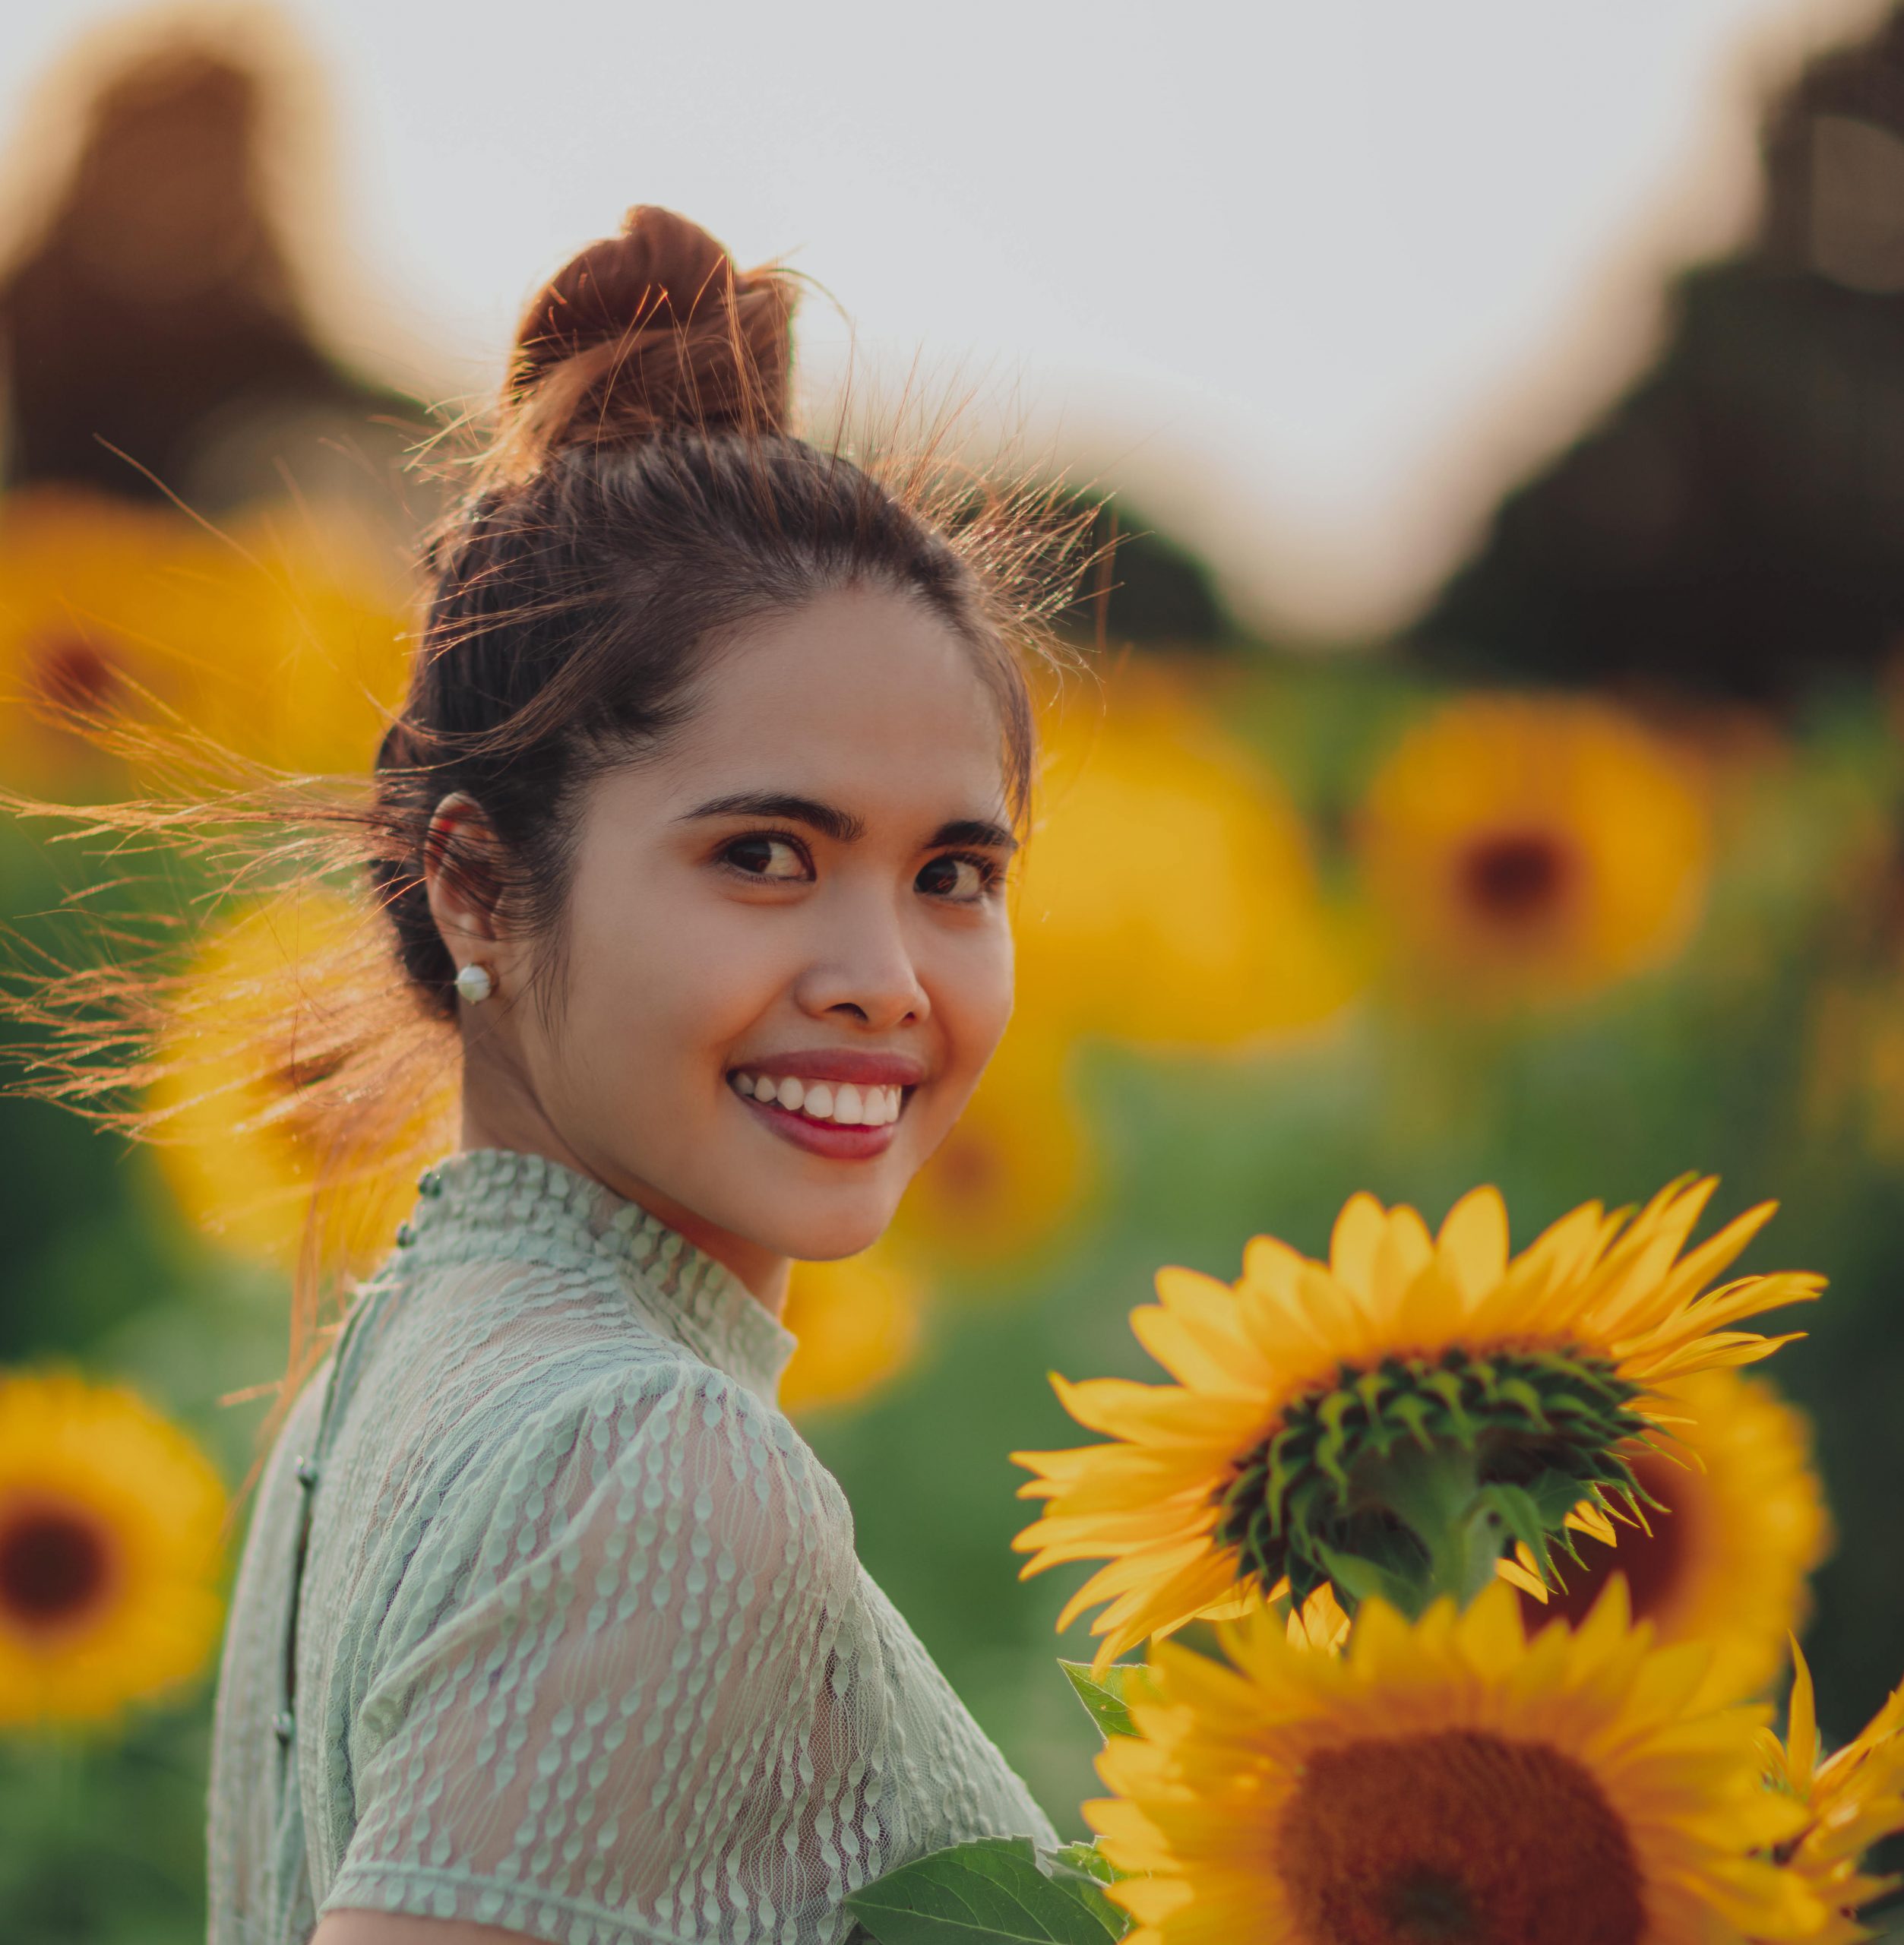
<point>1518,849</point>
<point>1390,1421</point>
<point>110,1519</point>
<point>242,1106</point>
<point>1016,1168</point>
<point>279,642</point>
<point>92,594</point>
<point>1850,1800</point>
<point>1446,1780</point>
<point>1168,895</point>
<point>859,1323</point>
<point>312,658</point>
<point>1733,1522</point>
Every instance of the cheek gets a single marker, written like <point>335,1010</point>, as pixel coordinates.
<point>971,994</point>
<point>657,980</point>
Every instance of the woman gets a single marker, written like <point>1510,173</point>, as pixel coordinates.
<point>696,824</point>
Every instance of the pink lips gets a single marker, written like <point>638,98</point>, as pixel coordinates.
<point>833,1064</point>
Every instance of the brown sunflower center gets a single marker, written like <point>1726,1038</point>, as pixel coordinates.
<point>56,1566</point>
<point>1455,1838</point>
<point>1654,1562</point>
<point>70,674</point>
<point>1515,877</point>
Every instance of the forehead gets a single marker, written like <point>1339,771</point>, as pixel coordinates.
<point>860,696</point>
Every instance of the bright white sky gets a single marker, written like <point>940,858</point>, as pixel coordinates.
<point>1312,278</point>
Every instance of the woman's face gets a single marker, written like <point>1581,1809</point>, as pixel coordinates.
<point>786,957</point>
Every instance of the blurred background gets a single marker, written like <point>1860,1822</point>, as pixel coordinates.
<point>1494,769</point>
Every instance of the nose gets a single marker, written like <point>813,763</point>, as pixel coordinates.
<point>862,969</point>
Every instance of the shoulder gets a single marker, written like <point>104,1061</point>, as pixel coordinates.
<point>615,1456</point>
<point>622,1521</point>
<point>678,1439</point>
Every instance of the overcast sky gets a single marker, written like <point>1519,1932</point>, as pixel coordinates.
<point>1309,277</point>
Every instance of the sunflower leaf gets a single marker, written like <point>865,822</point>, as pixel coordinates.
<point>1088,1858</point>
<point>993,1891</point>
<point>1361,1579</point>
<point>1108,1694</point>
<point>1521,1514</point>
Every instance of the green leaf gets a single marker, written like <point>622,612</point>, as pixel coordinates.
<point>1088,1858</point>
<point>993,1891</point>
<point>1362,1579</point>
<point>1109,1696</point>
<point>1520,1513</point>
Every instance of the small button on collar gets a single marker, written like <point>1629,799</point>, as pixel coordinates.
<point>284,1725</point>
<point>307,1472</point>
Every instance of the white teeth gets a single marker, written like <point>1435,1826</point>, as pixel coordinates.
<point>845,1104</point>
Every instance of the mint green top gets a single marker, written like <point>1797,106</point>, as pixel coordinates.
<point>580,1647</point>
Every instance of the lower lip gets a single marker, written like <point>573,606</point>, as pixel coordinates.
<point>828,1138</point>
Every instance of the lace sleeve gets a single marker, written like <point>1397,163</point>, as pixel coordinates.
<point>639,1719</point>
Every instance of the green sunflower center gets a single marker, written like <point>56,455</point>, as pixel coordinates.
<point>1411,1479</point>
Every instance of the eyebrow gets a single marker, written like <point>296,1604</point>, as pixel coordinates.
<point>973,833</point>
<point>842,826</point>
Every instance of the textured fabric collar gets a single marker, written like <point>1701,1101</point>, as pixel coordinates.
<point>537,1210</point>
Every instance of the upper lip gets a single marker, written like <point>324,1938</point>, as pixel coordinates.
<point>861,1068</point>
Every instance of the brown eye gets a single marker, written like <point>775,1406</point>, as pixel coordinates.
<point>957,881</point>
<point>763,855</point>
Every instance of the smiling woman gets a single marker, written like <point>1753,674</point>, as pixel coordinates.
<point>691,837</point>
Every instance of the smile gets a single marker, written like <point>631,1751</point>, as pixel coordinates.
<point>844,1104</point>
<point>840,1104</point>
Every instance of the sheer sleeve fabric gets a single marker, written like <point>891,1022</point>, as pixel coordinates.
<point>633,1702</point>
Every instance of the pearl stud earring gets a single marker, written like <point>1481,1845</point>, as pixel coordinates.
<point>474,982</point>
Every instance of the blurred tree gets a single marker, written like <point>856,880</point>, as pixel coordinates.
<point>156,309</point>
<point>1736,521</point>
<point>1149,592</point>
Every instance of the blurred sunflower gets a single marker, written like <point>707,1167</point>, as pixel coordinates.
<point>1725,1562</point>
<point>284,648</point>
<point>90,591</point>
<point>1314,1400</point>
<point>320,661</point>
<point>1448,1780</point>
<point>1850,1800</point>
<point>110,1519</point>
<point>243,1104</point>
<point>1517,849</point>
<point>1015,1167</point>
<point>1168,895</point>
<point>859,1322</point>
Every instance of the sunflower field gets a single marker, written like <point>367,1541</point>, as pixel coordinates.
<point>1287,932</point>
<point>1485,922</point>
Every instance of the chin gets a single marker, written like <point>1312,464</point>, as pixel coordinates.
<point>814,1235</point>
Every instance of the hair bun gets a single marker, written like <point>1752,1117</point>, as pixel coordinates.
<point>652,329</point>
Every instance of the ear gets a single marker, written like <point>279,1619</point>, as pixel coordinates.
<point>460,877</point>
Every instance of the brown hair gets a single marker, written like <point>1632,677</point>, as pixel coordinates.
<point>644,498</point>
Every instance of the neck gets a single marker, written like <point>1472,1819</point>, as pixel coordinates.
<point>496,1114</point>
